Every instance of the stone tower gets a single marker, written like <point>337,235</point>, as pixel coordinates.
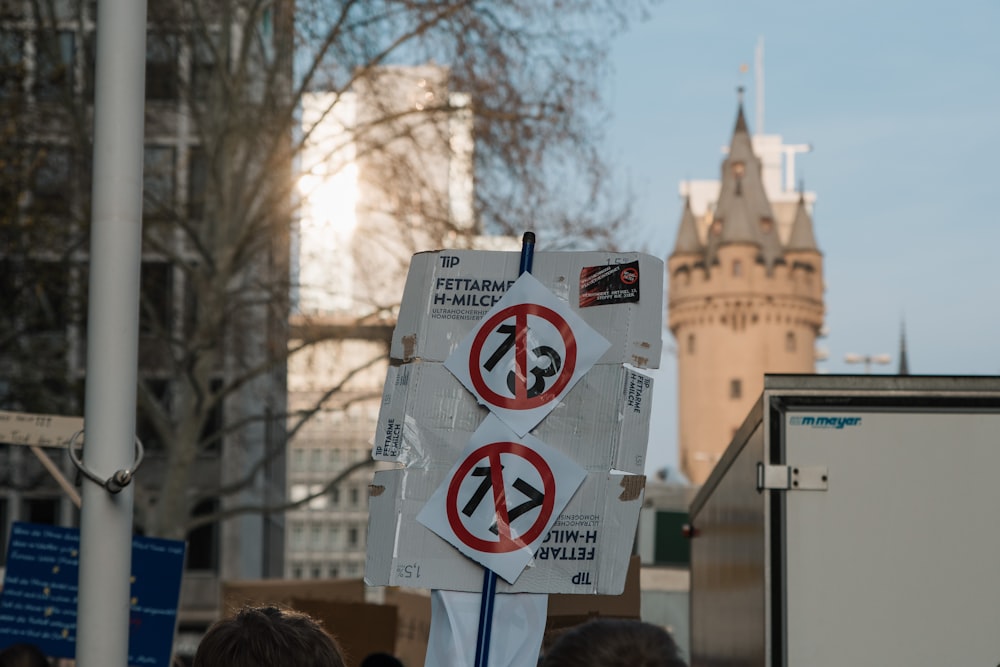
<point>745,298</point>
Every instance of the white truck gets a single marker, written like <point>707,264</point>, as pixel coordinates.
<point>853,520</point>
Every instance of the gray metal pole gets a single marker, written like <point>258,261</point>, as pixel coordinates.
<point>112,336</point>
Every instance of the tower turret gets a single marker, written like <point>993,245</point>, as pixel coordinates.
<point>741,303</point>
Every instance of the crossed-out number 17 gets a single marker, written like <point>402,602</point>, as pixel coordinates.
<point>535,497</point>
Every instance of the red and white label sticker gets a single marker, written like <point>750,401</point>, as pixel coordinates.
<point>501,498</point>
<point>526,354</point>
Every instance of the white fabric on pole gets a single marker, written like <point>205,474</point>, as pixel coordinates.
<point>516,636</point>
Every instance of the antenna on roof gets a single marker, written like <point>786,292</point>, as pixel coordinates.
<point>758,60</point>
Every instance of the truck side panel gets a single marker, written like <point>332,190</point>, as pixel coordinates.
<point>898,561</point>
<point>728,564</point>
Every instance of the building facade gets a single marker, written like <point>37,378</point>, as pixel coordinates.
<point>371,199</point>
<point>745,292</point>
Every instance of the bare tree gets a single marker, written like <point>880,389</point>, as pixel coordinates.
<point>227,129</point>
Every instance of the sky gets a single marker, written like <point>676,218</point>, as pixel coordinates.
<point>900,101</point>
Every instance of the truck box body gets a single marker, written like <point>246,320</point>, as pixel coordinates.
<point>853,520</point>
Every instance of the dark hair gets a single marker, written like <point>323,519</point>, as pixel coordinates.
<point>268,637</point>
<point>614,642</point>
<point>381,660</point>
<point>23,655</point>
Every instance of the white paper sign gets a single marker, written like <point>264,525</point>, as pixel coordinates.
<point>526,354</point>
<point>515,641</point>
<point>498,502</point>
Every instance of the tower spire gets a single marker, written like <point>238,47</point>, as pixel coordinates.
<point>802,236</point>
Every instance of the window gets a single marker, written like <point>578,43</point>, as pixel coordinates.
<point>670,546</point>
<point>42,296</point>
<point>89,65</point>
<point>320,501</point>
<point>203,542</point>
<point>161,67</point>
<point>144,427</point>
<point>197,175</point>
<point>352,537</point>
<point>790,342</point>
<point>51,181</point>
<point>41,510</point>
<point>212,433</point>
<point>297,571</point>
<point>61,10</point>
<point>334,571</point>
<point>316,537</point>
<point>191,303</point>
<point>11,9</point>
<point>203,67</point>
<point>355,496</point>
<point>11,64</point>
<point>11,180</point>
<point>298,537</point>
<point>316,460</point>
<point>315,572</point>
<point>297,492</point>
<point>159,182</point>
<point>735,388</point>
<point>333,538</point>
<point>298,459</point>
<point>737,268</point>
<point>156,298</point>
<point>54,64</point>
<point>690,343</point>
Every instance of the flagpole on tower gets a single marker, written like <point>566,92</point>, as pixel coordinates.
<point>759,83</point>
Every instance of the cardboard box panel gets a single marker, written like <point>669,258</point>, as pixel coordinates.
<point>565,610</point>
<point>427,417</point>
<point>414,624</point>
<point>586,551</point>
<point>448,292</point>
<point>360,628</point>
<point>236,594</point>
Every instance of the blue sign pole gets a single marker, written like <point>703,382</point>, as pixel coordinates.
<point>488,599</point>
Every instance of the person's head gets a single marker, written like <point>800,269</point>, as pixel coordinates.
<point>381,660</point>
<point>268,637</point>
<point>614,642</point>
<point>23,655</point>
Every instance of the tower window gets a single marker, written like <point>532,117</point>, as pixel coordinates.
<point>766,225</point>
<point>790,341</point>
<point>735,388</point>
<point>690,344</point>
<point>737,268</point>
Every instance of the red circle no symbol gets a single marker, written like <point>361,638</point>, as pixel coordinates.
<point>521,400</point>
<point>505,543</point>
